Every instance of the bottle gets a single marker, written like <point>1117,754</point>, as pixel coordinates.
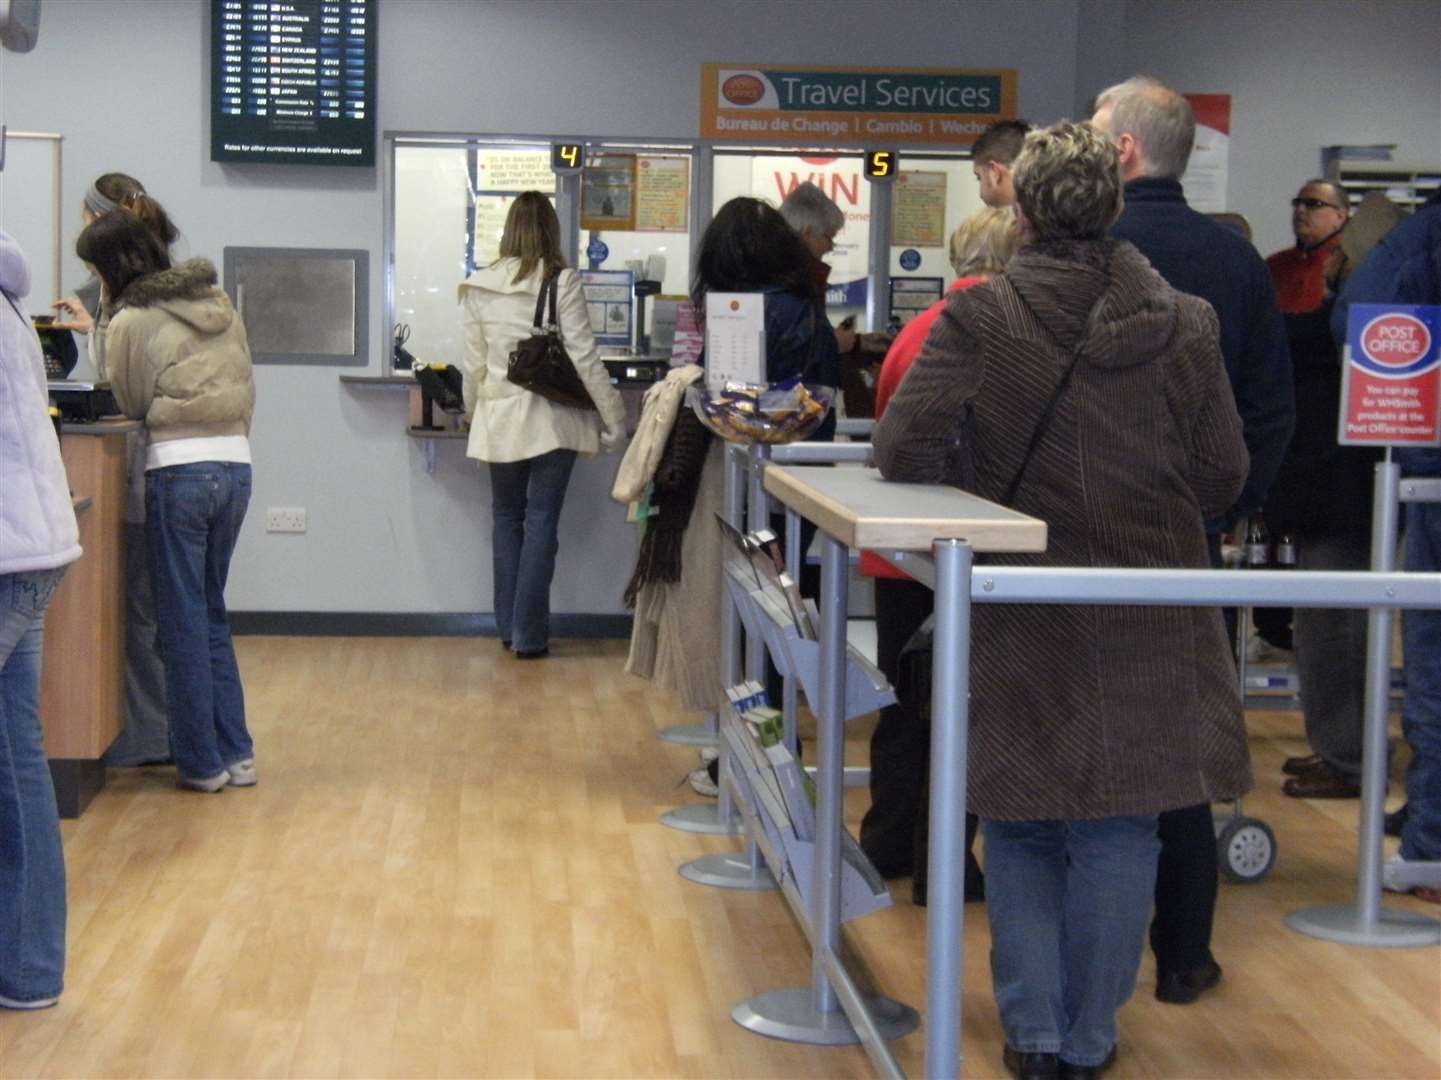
<point>1286,552</point>
<point>1258,543</point>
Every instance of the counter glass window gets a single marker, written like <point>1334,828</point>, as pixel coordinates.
<point>931,195</point>
<point>635,213</point>
<point>450,202</point>
<point>772,175</point>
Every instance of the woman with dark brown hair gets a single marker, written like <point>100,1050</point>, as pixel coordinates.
<point>529,442</point>
<point>1100,405</point>
<point>145,738</point>
<point>178,359</point>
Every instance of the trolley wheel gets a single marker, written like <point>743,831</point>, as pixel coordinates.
<point>1247,849</point>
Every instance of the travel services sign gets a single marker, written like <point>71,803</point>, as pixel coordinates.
<point>853,105</point>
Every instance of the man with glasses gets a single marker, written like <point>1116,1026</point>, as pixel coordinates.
<point>1322,499</point>
<point>1318,214</point>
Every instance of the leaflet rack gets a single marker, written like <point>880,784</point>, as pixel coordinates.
<point>763,617</point>
<point>768,783</point>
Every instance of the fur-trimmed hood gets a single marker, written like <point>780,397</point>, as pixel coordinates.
<point>188,291</point>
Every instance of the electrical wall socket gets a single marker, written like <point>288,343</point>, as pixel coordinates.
<point>285,519</point>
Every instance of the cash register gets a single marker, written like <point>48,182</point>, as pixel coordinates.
<point>78,402</point>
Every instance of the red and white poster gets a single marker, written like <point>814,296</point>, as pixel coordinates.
<point>1391,376</point>
<point>1205,177</point>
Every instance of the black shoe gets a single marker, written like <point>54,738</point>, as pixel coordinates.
<point>888,864</point>
<point>1068,1071</point>
<point>1322,782</point>
<point>531,654</point>
<point>1184,987</point>
<point>975,888</point>
<point>1031,1066</point>
<point>1396,820</point>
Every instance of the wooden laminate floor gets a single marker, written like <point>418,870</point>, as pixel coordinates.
<point>452,867</point>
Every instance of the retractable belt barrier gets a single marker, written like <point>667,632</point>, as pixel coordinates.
<point>853,508</point>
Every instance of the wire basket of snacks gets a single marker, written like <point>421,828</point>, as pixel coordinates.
<point>779,413</point>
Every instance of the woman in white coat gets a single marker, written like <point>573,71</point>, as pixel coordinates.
<point>529,442</point>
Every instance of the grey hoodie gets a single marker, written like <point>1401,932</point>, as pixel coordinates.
<point>37,523</point>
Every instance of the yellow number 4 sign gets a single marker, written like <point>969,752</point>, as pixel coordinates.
<point>566,157</point>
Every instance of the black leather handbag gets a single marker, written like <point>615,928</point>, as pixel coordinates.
<point>540,363</point>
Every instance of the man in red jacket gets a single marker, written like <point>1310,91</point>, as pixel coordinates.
<point>1318,214</point>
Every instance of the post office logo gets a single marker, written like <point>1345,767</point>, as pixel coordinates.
<point>1395,346</point>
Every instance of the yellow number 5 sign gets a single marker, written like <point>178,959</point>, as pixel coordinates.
<point>881,164</point>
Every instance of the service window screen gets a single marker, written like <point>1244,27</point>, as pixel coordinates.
<point>293,81</point>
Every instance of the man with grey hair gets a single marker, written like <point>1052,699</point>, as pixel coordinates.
<point>1153,128</point>
<point>814,216</point>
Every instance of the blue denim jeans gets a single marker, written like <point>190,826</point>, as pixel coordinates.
<point>193,515</point>
<point>32,862</point>
<point>1068,903</point>
<point>1421,714</point>
<point>525,500</point>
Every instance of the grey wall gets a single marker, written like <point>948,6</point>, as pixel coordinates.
<point>126,83</point>
<point>1302,74</point>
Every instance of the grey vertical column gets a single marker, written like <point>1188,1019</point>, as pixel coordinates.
<point>790,688</point>
<point>567,208</point>
<point>950,720</point>
<point>1368,923</point>
<point>702,188</point>
<point>830,765</point>
<point>757,517</point>
<point>879,260</point>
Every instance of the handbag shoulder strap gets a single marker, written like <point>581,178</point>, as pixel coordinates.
<point>547,290</point>
<point>1049,412</point>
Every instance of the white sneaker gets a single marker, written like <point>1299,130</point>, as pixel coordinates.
<point>709,754</point>
<point>38,1003</point>
<point>702,784</point>
<point>1261,651</point>
<point>207,784</point>
<point>242,773</point>
<point>1400,875</point>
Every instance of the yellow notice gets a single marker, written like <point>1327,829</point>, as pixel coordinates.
<point>918,210</point>
<point>662,199</point>
<point>514,170</point>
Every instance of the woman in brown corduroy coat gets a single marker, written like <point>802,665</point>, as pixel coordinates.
<point>1086,721</point>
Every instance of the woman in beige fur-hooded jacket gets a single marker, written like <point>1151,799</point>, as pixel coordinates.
<point>178,359</point>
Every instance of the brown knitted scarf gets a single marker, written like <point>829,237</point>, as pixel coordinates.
<point>673,493</point>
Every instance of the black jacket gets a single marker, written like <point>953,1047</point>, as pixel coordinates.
<point>1197,256</point>
<point>1323,488</point>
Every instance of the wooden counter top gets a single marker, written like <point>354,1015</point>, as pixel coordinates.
<point>862,510</point>
<point>116,425</point>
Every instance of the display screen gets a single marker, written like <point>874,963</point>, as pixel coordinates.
<point>293,81</point>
